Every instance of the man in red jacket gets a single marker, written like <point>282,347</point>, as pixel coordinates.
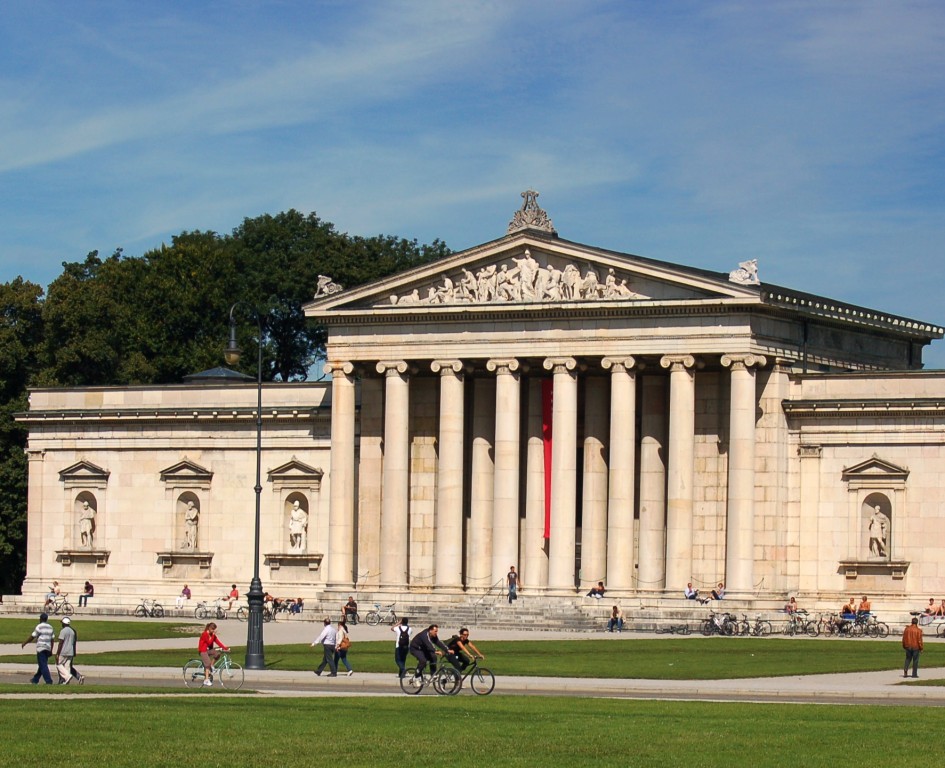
<point>912,642</point>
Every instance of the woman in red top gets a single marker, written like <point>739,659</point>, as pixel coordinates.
<point>207,653</point>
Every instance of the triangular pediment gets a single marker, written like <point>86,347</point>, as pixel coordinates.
<point>84,470</point>
<point>295,470</point>
<point>875,467</point>
<point>526,269</point>
<point>186,470</point>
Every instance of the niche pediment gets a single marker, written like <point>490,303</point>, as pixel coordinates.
<point>875,473</point>
<point>186,473</point>
<point>84,474</point>
<point>296,474</point>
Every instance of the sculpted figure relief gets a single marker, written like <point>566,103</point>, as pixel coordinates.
<point>524,279</point>
<point>878,528</point>
<point>87,525</point>
<point>326,286</point>
<point>746,274</point>
<point>298,528</point>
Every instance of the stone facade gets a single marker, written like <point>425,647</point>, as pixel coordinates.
<point>582,414</point>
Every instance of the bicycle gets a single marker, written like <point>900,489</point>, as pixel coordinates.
<point>150,608</point>
<point>377,615</point>
<point>673,629</point>
<point>268,614</point>
<point>445,680</point>
<point>205,611</point>
<point>481,679</point>
<point>58,604</point>
<point>799,624</point>
<point>228,672</point>
<point>719,623</point>
<point>760,628</point>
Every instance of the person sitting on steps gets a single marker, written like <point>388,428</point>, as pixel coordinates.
<point>597,591</point>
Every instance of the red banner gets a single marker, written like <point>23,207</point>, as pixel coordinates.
<point>547,402</point>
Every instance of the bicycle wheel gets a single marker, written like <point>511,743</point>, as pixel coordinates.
<point>67,609</point>
<point>141,612</point>
<point>393,618</point>
<point>682,629</point>
<point>200,612</point>
<point>373,618</point>
<point>883,629</point>
<point>193,673</point>
<point>940,630</point>
<point>411,683</point>
<point>482,681</point>
<point>242,614</point>
<point>728,628</point>
<point>707,627</point>
<point>446,681</point>
<point>763,628</point>
<point>267,615</point>
<point>744,628</point>
<point>231,676</point>
<point>158,612</point>
<point>812,629</point>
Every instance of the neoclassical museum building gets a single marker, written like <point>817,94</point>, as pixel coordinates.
<point>583,414</point>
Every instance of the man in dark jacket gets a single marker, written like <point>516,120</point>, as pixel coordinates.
<point>423,648</point>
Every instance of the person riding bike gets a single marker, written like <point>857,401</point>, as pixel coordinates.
<point>208,653</point>
<point>424,647</point>
<point>464,652</point>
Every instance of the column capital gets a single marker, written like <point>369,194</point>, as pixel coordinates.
<point>503,365</point>
<point>338,368</point>
<point>560,364</point>
<point>621,364</point>
<point>678,362</point>
<point>392,367</point>
<point>740,362</point>
<point>448,366</point>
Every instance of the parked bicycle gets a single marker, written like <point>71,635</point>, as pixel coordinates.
<point>151,608</point>
<point>58,604</point>
<point>760,628</point>
<point>379,614</point>
<point>720,624</point>
<point>242,613</point>
<point>228,672</point>
<point>214,610</point>
<point>481,680</point>
<point>800,624</point>
<point>445,680</point>
<point>673,629</point>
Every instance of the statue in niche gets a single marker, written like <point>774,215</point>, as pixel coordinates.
<point>87,525</point>
<point>298,528</point>
<point>191,520</point>
<point>878,528</point>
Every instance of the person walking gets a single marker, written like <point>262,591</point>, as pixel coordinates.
<point>343,644</point>
<point>328,639</point>
<point>912,642</point>
<point>514,582</point>
<point>402,645</point>
<point>65,654</point>
<point>43,635</point>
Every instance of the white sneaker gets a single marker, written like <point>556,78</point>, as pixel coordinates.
<point>207,683</point>
<point>350,672</point>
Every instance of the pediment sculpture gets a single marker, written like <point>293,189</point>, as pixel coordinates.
<point>746,274</point>
<point>522,280</point>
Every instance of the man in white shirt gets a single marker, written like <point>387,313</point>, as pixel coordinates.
<point>43,635</point>
<point>327,639</point>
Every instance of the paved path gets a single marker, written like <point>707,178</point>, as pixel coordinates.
<point>856,688</point>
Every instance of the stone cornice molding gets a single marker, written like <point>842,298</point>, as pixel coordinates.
<point>621,364</point>
<point>740,362</point>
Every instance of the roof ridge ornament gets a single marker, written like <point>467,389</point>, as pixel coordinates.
<point>531,216</point>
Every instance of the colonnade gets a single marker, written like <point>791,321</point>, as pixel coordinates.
<point>476,553</point>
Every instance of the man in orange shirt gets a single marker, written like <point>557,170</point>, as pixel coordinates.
<point>912,642</point>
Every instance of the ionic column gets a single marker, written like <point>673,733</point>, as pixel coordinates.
<point>534,564</point>
<point>479,552</point>
<point>740,527</point>
<point>342,494</point>
<point>682,406</point>
<point>395,503</point>
<point>563,473</point>
<point>594,487</point>
<point>448,560</point>
<point>651,574</point>
<point>505,494</point>
<point>623,407</point>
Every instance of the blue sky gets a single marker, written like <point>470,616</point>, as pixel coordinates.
<point>808,135</point>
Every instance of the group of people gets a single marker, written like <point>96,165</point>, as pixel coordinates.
<point>426,646</point>
<point>335,641</point>
<point>935,610</point>
<point>44,636</point>
<point>692,593</point>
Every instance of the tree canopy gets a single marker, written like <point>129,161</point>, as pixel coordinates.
<point>152,319</point>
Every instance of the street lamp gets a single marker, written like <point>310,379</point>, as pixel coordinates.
<point>255,655</point>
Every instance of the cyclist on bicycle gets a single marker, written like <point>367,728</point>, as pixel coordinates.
<point>209,654</point>
<point>464,652</point>
<point>424,647</point>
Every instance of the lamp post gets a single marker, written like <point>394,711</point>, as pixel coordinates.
<point>255,654</point>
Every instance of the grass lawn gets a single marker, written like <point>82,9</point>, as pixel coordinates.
<point>17,630</point>
<point>712,658</point>
<point>466,731</point>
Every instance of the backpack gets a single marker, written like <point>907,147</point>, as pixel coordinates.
<point>403,640</point>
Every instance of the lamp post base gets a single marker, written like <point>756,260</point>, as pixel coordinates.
<point>255,653</point>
